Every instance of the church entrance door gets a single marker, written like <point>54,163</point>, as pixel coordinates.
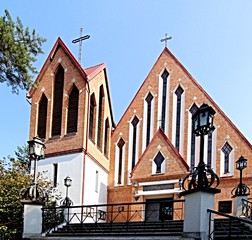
<point>159,210</point>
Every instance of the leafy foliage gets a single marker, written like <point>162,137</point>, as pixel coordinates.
<point>13,178</point>
<point>18,50</point>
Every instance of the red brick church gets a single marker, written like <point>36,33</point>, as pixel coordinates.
<point>148,152</point>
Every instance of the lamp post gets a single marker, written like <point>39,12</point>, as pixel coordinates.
<point>202,125</point>
<point>67,201</point>
<point>36,152</point>
<point>241,189</point>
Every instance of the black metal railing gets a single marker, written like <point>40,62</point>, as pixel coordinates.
<point>143,212</point>
<point>228,226</point>
<point>11,223</point>
<point>246,209</point>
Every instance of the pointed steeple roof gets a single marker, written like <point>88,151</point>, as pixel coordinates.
<point>58,44</point>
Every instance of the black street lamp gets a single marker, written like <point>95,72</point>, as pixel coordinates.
<point>202,177</point>
<point>67,201</point>
<point>241,189</point>
<point>36,152</point>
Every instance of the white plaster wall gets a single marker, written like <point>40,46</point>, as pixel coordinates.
<point>196,205</point>
<point>68,165</point>
<point>95,195</point>
<point>32,220</point>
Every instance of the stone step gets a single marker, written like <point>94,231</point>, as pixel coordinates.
<point>111,238</point>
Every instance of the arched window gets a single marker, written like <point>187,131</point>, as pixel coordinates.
<point>134,123</point>
<point>192,110</point>
<point>73,104</point>
<point>92,117</point>
<point>209,147</point>
<point>106,137</point>
<point>227,149</point>
<point>100,118</point>
<point>57,101</point>
<point>178,93</point>
<point>42,115</point>
<point>119,161</point>
<point>148,100</point>
<point>164,77</point>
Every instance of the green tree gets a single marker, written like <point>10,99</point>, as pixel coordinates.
<point>18,50</point>
<point>14,178</point>
<point>22,156</point>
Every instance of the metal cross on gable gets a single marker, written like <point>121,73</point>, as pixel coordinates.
<point>166,39</point>
<point>79,40</point>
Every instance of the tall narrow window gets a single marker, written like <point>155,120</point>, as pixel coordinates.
<point>179,93</point>
<point>164,93</point>
<point>96,181</point>
<point>209,148</point>
<point>92,117</point>
<point>193,109</point>
<point>226,149</point>
<point>134,123</point>
<point>120,145</point>
<point>42,114</point>
<point>158,161</point>
<point>148,125</point>
<point>100,118</point>
<point>72,117</point>
<point>55,174</point>
<point>57,101</point>
<point>106,137</point>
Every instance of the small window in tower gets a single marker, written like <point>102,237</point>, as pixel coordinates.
<point>42,115</point>
<point>100,118</point>
<point>58,101</point>
<point>92,117</point>
<point>72,116</point>
<point>106,138</point>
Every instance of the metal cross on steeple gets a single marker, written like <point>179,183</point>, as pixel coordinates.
<point>166,39</point>
<point>79,40</point>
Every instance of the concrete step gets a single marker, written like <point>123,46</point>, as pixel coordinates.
<point>111,238</point>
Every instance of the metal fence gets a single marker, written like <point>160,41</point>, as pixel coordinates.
<point>246,209</point>
<point>145,212</point>
<point>228,227</point>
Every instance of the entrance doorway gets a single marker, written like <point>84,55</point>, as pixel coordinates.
<point>159,210</point>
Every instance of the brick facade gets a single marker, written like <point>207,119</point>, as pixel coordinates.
<point>175,164</point>
<point>193,94</point>
<point>62,148</point>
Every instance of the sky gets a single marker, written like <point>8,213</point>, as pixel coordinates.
<point>212,39</point>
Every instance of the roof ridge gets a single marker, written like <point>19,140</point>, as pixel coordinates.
<point>94,66</point>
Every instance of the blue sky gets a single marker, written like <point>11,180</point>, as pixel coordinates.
<point>212,39</point>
